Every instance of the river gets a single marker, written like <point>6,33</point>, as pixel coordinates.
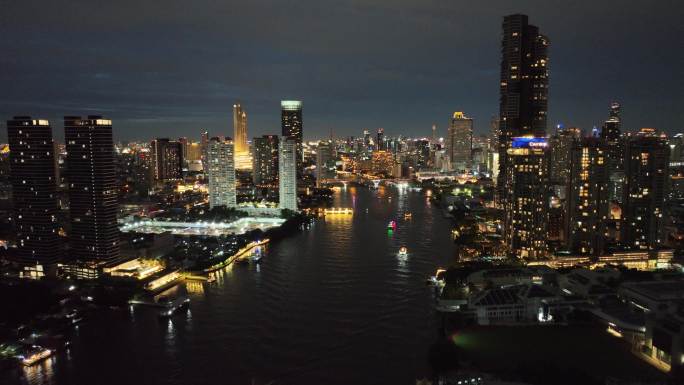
<point>333,304</point>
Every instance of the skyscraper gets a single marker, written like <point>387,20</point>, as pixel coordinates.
<point>93,195</point>
<point>523,173</point>
<point>523,88</point>
<point>240,129</point>
<point>380,145</point>
<point>460,141</point>
<point>325,163</point>
<point>612,135</point>
<point>587,196</point>
<point>265,165</point>
<point>221,173</point>
<point>645,190</point>
<point>561,146</point>
<point>168,159</point>
<point>287,175</point>
<point>32,176</point>
<point>291,121</point>
<point>204,144</point>
<point>526,218</point>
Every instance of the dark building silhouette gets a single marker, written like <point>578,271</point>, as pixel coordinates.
<point>645,189</point>
<point>34,184</point>
<point>611,133</point>
<point>168,159</point>
<point>93,195</point>
<point>265,163</point>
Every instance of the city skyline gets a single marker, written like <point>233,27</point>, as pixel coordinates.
<point>165,97</point>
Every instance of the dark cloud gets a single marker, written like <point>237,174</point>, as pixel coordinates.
<point>174,67</point>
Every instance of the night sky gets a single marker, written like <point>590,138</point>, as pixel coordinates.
<point>171,68</point>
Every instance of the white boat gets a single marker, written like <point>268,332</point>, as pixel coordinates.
<point>403,251</point>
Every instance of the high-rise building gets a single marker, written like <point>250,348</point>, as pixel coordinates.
<point>325,162</point>
<point>204,144</point>
<point>168,156</point>
<point>523,88</point>
<point>221,173</point>
<point>560,145</point>
<point>611,133</point>
<point>33,180</point>
<point>460,141</point>
<point>523,174</point>
<point>265,165</point>
<point>291,120</point>
<point>287,174</point>
<point>381,140</point>
<point>240,129</point>
<point>645,190</point>
<point>383,163</point>
<point>526,218</point>
<point>587,196</point>
<point>93,195</point>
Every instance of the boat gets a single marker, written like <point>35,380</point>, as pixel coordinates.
<point>173,306</point>
<point>392,225</point>
<point>35,354</point>
<point>408,215</point>
<point>403,251</point>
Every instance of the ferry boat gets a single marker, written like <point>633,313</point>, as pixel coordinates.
<point>408,215</point>
<point>403,251</point>
<point>391,225</point>
<point>173,306</point>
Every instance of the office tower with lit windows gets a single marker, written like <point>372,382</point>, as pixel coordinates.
<point>93,195</point>
<point>33,180</point>
<point>587,196</point>
<point>168,159</point>
<point>611,133</point>
<point>325,162</point>
<point>645,190</point>
<point>240,129</point>
<point>523,89</point>
<point>221,173</point>
<point>287,173</point>
<point>265,164</point>
<point>460,141</point>
<point>204,144</point>
<point>291,124</point>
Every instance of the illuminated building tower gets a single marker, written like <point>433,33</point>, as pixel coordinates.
<point>240,129</point>
<point>168,159</point>
<point>611,133</point>
<point>325,162</point>
<point>265,165</point>
<point>291,120</point>
<point>93,195</point>
<point>560,145</point>
<point>33,180</point>
<point>460,141</point>
<point>221,173</point>
<point>645,189</point>
<point>587,196</point>
<point>525,225</point>
<point>287,173</point>
<point>523,88</point>
<point>381,139</point>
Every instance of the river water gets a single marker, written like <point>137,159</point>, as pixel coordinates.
<point>333,304</point>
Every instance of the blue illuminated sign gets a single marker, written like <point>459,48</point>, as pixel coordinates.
<point>529,142</point>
